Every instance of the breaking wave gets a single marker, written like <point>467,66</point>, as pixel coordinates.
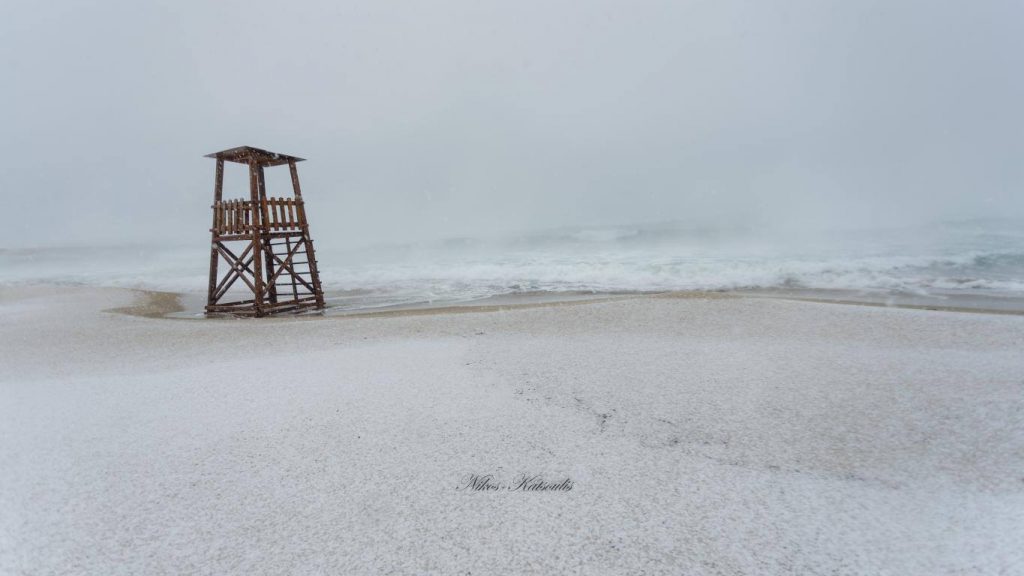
<point>975,256</point>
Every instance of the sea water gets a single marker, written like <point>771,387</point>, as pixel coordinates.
<point>979,257</point>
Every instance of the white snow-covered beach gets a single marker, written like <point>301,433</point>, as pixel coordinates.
<point>701,435</point>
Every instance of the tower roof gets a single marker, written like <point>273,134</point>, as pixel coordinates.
<point>245,154</point>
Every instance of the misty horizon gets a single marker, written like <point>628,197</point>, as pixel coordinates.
<point>464,119</point>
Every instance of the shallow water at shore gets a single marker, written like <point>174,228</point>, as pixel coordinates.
<point>156,304</point>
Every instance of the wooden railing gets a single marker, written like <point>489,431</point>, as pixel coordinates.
<point>283,214</point>
<point>233,217</point>
<point>277,214</point>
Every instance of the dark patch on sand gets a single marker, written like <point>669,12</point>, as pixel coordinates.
<point>152,304</point>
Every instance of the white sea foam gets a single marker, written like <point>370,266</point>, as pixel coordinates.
<point>976,256</point>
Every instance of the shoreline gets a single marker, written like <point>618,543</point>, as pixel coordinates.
<point>189,306</point>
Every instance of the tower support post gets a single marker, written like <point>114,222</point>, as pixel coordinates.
<point>301,209</point>
<point>218,189</point>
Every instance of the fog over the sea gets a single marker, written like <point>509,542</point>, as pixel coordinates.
<point>423,120</point>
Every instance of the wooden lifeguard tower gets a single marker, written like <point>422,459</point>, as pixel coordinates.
<point>264,241</point>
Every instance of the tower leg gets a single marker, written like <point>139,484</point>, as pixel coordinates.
<point>214,257</point>
<point>218,188</point>
<point>295,286</point>
<point>268,249</point>
<point>257,241</point>
<point>314,274</point>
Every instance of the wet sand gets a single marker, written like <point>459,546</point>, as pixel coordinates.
<point>152,304</point>
<point>981,303</point>
<point>156,304</point>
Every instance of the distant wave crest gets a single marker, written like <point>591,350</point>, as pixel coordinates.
<point>977,257</point>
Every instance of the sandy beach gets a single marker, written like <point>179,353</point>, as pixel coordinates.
<point>700,435</point>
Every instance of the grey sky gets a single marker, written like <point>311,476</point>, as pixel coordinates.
<point>429,119</point>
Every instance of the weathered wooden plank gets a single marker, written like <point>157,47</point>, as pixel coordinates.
<point>261,181</point>
<point>254,194</point>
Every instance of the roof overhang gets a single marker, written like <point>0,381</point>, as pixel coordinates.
<point>248,154</point>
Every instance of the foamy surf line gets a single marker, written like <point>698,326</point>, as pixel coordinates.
<point>964,262</point>
<point>393,284</point>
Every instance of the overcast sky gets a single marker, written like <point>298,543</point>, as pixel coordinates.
<point>428,119</point>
